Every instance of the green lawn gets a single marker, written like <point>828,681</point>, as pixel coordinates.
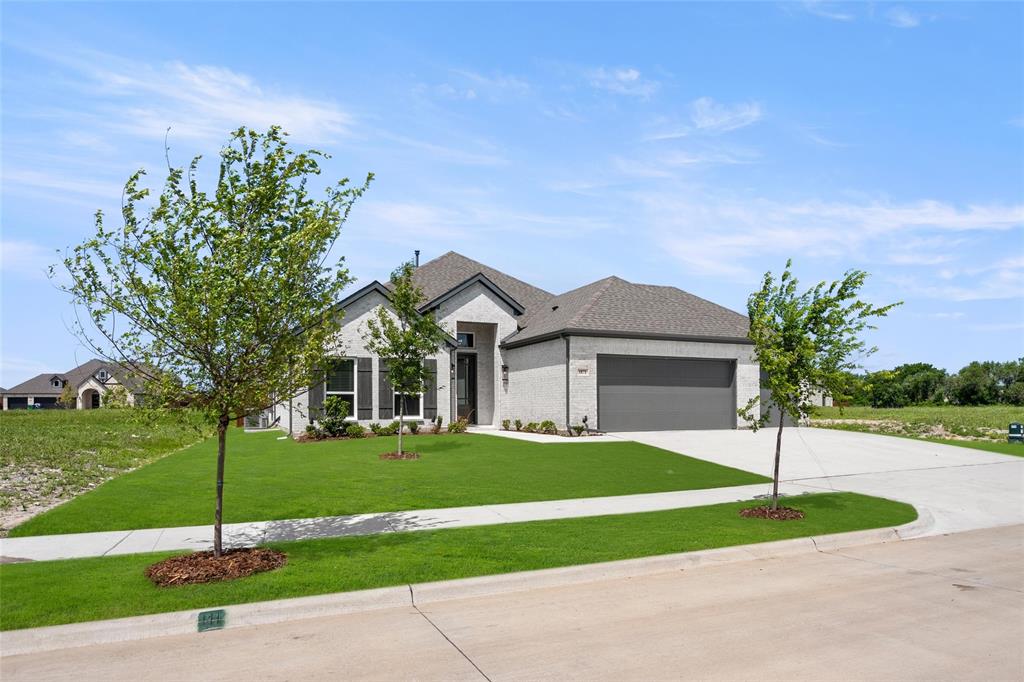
<point>268,479</point>
<point>49,455</point>
<point>53,592</point>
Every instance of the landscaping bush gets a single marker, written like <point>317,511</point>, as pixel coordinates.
<point>414,428</point>
<point>314,431</point>
<point>547,426</point>
<point>531,427</point>
<point>506,425</point>
<point>375,428</point>
<point>578,429</point>
<point>459,425</point>
<point>436,428</point>
<point>336,411</point>
<point>519,424</point>
<point>355,431</point>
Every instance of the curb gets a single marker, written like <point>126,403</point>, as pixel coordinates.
<point>50,638</point>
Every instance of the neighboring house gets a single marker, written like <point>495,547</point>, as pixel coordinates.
<point>90,382</point>
<point>625,356</point>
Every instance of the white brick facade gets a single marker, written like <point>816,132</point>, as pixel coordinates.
<point>536,382</point>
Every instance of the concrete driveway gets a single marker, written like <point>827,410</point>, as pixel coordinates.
<point>962,488</point>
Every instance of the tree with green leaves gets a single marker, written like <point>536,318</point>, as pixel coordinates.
<point>223,300</point>
<point>805,342</point>
<point>404,339</point>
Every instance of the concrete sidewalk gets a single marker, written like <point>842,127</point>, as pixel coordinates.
<point>79,545</point>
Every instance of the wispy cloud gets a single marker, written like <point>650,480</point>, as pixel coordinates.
<point>484,155</point>
<point>827,10</point>
<point>25,259</point>
<point>901,17</point>
<point>196,101</point>
<point>622,81</point>
<point>709,117</point>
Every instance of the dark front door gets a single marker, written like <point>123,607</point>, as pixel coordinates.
<point>465,386</point>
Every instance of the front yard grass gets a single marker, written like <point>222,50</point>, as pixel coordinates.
<point>54,592</point>
<point>269,479</point>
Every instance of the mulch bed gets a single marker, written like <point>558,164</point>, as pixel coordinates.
<point>395,455</point>
<point>203,567</point>
<point>780,514</point>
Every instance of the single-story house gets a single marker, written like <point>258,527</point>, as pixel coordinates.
<point>623,356</point>
<point>89,382</point>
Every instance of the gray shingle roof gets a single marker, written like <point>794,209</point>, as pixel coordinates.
<point>440,275</point>
<point>40,385</point>
<point>615,306</point>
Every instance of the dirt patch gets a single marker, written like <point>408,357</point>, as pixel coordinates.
<point>914,429</point>
<point>780,514</point>
<point>403,455</point>
<point>203,567</point>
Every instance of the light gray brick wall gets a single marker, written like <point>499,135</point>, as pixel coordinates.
<point>478,310</point>
<point>536,382</point>
<point>349,343</point>
<point>583,367</point>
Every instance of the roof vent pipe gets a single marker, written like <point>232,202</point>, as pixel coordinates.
<point>417,252</point>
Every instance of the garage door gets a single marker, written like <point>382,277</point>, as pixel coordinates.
<point>651,394</point>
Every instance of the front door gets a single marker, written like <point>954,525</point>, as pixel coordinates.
<point>465,386</point>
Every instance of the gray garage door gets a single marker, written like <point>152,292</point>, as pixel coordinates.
<point>652,394</point>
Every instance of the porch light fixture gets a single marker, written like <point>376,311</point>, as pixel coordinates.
<point>504,373</point>
<point>453,370</point>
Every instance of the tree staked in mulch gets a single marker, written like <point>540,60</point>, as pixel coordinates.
<point>396,455</point>
<point>203,567</point>
<point>780,514</point>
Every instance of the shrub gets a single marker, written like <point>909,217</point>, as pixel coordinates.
<point>393,427</point>
<point>578,429</point>
<point>531,427</point>
<point>547,426</point>
<point>519,424</point>
<point>335,414</point>
<point>506,425</point>
<point>116,397</point>
<point>414,428</point>
<point>355,431</point>
<point>314,431</point>
<point>436,428</point>
<point>375,428</point>
<point>459,425</point>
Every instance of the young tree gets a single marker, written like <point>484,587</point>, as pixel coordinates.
<point>220,301</point>
<point>805,342</point>
<point>68,398</point>
<point>404,339</point>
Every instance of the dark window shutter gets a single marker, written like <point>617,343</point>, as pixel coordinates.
<point>430,395</point>
<point>365,388</point>
<point>316,397</point>
<point>386,409</point>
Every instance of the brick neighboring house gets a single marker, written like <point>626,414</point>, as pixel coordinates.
<point>626,356</point>
<point>90,382</point>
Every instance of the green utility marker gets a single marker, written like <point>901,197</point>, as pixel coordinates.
<point>212,620</point>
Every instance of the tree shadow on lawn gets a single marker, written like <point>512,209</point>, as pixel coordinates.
<point>331,527</point>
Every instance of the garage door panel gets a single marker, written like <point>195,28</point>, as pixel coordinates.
<point>637,393</point>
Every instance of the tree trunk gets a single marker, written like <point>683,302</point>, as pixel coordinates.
<point>222,434</point>
<point>401,422</point>
<point>778,456</point>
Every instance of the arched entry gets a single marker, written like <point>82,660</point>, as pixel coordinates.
<point>90,399</point>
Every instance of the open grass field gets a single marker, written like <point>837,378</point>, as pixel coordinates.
<point>269,478</point>
<point>51,455</point>
<point>983,425</point>
<point>53,592</point>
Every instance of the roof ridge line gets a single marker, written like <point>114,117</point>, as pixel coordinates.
<point>593,299</point>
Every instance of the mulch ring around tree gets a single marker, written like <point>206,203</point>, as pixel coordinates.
<point>403,455</point>
<point>203,567</point>
<point>780,514</point>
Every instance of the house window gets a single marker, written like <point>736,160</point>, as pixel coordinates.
<point>466,339</point>
<point>55,383</point>
<point>412,401</point>
<point>341,381</point>
<point>102,375</point>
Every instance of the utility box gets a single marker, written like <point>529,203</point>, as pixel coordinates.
<point>1015,433</point>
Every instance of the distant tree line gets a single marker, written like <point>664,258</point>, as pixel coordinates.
<point>919,383</point>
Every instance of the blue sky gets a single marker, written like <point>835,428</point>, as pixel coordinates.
<point>685,144</point>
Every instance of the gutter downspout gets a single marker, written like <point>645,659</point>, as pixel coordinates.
<point>567,343</point>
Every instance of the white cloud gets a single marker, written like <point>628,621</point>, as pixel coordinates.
<point>195,101</point>
<point>26,259</point>
<point>826,10</point>
<point>710,116</point>
<point>901,17</point>
<point>486,155</point>
<point>622,81</point>
<point>61,181</point>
